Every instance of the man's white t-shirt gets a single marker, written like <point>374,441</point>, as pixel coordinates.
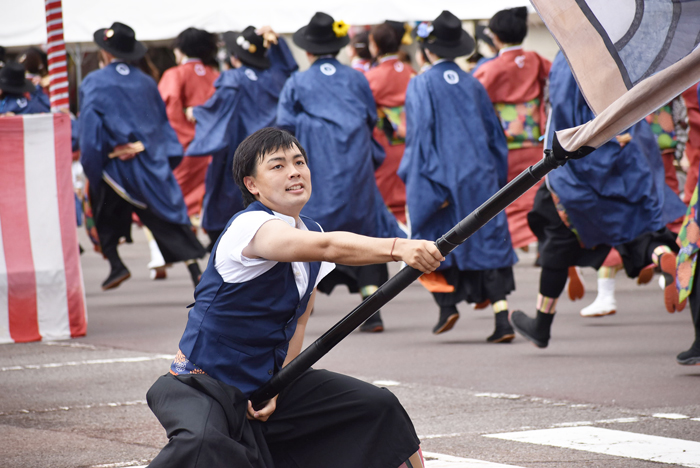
<point>234,267</point>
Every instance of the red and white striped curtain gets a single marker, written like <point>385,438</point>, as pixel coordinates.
<point>56,50</point>
<point>41,283</point>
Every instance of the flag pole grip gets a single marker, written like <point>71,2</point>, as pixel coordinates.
<point>386,292</point>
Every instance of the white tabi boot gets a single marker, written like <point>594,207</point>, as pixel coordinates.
<point>157,263</point>
<point>604,303</point>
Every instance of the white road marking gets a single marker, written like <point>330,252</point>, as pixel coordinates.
<point>130,464</point>
<point>81,407</point>
<point>617,420</point>
<point>439,436</point>
<point>52,365</point>
<point>500,396</point>
<point>386,383</point>
<point>573,424</point>
<point>68,344</point>
<point>611,442</point>
<point>670,416</point>
<point>438,460</point>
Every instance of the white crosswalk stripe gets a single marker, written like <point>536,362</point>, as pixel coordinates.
<point>438,460</point>
<point>613,442</point>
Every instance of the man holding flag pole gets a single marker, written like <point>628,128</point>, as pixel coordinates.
<point>624,103</point>
<point>248,322</point>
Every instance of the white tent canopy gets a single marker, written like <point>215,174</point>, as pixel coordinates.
<point>23,22</point>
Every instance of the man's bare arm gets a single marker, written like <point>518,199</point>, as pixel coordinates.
<point>276,240</point>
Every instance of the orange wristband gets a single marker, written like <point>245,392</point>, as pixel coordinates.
<point>392,249</point>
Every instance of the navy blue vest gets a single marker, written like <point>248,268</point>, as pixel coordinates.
<point>239,333</point>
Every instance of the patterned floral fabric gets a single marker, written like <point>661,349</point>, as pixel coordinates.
<point>564,217</point>
<point>392,121</point>
<point>521,123</point>
<point>663,126</point>
<point>688,240</point>
<point>182,366</point>
<point>88,218</point>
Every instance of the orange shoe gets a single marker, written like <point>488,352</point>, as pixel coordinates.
<point>646,274</point>
<point>668,269</point>
<point>576,288</point>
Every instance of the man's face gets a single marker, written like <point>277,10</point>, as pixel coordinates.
<point>282,181</point>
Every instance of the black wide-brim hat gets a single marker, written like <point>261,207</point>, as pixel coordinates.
<point>12,80</point>
<point>120,41</point>
<point>318,37</point>
<point>258,57</point>
<point>481,35</point>
<point>448,39</point>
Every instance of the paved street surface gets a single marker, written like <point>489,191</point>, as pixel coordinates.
<point>606,393</point>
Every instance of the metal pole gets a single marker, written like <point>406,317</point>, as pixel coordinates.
<point>446,244</point>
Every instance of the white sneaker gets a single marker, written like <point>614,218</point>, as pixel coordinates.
<point>604,303</point>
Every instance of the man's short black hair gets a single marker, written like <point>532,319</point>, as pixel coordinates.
<point>385,38</point>
<point>198,43</point>
<point>510,26</point>
<point>253,149</point>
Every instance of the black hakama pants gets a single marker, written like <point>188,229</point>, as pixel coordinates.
<point>560,248</point>
<point>354,277</point>
<point>113,217</point>
<point>322,420</point>
<point>476,286</point>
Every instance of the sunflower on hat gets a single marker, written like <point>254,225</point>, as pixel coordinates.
<point>341,28</point>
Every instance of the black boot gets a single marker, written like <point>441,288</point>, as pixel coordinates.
<point>448,317</point>
<point>373,324</point>
<point>118,271</point>
<point>690,357</point>
<point>504,332</point>
<point>195,272</point>
<point>535,330</point>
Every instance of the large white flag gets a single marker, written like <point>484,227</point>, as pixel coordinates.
<point>629,58</point>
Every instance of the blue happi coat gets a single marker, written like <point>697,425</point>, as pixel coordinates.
<point>244,102</point>
<point>75,134</point>
<point>331,111</point>
<point>615,193</point>
<point>456,158</point>
<point>37,103</point>
<point>120,104</point>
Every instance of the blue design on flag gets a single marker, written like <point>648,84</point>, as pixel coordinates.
<point>645,36</point>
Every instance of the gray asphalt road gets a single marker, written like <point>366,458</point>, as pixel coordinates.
<point>81,403</point>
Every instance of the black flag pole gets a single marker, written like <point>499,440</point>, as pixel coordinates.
<point>389,290</point>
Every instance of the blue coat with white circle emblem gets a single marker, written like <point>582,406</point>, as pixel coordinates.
<point>456,158</point>
<point>37,103</point>
<point>331,111</point>
<point>245,101</point>
<point>120,104</point>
